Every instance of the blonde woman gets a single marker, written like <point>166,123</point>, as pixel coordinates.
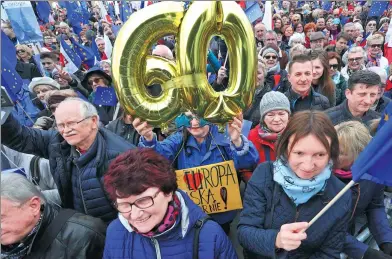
<point>24,53</point>
<point>367,196</point>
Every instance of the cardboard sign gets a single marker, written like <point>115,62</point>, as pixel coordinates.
<point>213,187</point>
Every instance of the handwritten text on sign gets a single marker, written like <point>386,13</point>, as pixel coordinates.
<point>213,187</point>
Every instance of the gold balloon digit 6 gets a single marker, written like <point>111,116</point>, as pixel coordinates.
<point>184,83</point>
<point>226,19</point>
<point>133,68</point>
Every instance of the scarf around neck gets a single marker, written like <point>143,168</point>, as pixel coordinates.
<point>299,190</point>
<point>343,174</point>
<point>266,134</point>
<point>374,62</point>
<point>170,218</point>
<point>20,250</point>
<point>336,78</point>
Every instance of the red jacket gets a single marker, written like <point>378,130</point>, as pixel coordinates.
<point>265,149</point>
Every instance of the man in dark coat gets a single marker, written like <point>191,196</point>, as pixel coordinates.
<point>32,228</point>
<point>301,94</point>
<point>79,154</point>
<point>362,91</point>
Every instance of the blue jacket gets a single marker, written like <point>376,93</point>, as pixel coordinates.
<point>175,243</point>
<point>78,178</point>
<point>209,152</point>
<point>368,199</point>
<point>325,238</point>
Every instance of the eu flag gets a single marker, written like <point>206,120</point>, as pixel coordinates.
<point>327,5</point>
<point>254,12</point>
<point>74,15</point>
<point>125,11</point>
<point>385,116</point>
<point>43,10</point>
<point>105,96</point>
<point>95,50</point>
<point>374,162</point>
<point>84,11</point>
<point>10,79</point>
<point>111,11</point>
<point>73,60</point>
<point>8,50</point>
<point>378,8</point>
<point>86,54</point>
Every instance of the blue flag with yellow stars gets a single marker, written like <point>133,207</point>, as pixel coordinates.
<point>74,15</point>
<point>10,79</point>
<point>125,11</point>
<point>377,8</point>
<point>385,116</point>
<point>105,96</point>
<point>374,162</point>
<point>43,10</point>
<point>86,54</point>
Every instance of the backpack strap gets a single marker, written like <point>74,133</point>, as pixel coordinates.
<point>198,226</point>
<point>52,231</point>
<point>34,170</point>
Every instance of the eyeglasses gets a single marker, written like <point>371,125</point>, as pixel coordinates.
<point>270,57</point>
<point>355,59</point>
<point>20,51</point>
<point>94,80</point>
<point>334,66</point>
<point>376,46</point>
<point>70,125</point>
<point>142,203</point>
<point>371,24</point>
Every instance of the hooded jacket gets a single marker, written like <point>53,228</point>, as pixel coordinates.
<point>175,243</point>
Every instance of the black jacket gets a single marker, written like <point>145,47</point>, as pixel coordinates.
<point>253,113</point>
<point>341,113</point>
<point>314,101</point>
<point>382,104</point>
<point>126,131</point>
<point>27,70</point>
<point>283,85</point>
<point>81,237</point>
<point>51,145</point>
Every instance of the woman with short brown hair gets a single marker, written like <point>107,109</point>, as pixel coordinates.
<point>283,196</point>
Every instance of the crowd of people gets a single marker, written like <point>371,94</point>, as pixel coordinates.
<point>86,179</point>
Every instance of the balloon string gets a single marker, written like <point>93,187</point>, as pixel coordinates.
<point>224,159</point>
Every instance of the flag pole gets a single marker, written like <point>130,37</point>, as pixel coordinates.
<point>332,202</point>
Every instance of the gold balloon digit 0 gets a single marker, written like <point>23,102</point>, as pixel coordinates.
<point>226,19</point>
<point>184,83</point>
<point>133,68</point>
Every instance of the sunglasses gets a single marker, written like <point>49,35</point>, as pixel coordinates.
<point>334,66</point>
<point>270,57</point>
<point>376,46</point>
<point>354,59</point>
<point>371,24</point>
<point>94,80</point>
<point>20,51</point>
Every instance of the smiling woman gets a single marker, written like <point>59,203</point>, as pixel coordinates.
<point>156,219</point>
<point>301,180</point>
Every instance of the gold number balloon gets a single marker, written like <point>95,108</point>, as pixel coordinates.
<point>133,68</point>
<point>226,19</point>
<point>184,82</point>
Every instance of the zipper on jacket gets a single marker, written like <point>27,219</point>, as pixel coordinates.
<point>157,249</point>
<point>81,191</point>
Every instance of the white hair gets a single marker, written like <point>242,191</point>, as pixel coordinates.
<point>354,50</point>
<point>359,26</point>
<point>87,109</point>
<point>296,37</point>
<point>18,189</point>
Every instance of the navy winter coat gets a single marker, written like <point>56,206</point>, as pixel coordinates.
<point>368,199</point>
<point>175,243</point>
<point>209,152</point>
<point>325,238</point>
<point>78,178</point>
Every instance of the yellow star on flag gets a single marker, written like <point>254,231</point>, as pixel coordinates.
<point>386,117</point>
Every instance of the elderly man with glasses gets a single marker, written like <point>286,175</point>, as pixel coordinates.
<point>79,153</point>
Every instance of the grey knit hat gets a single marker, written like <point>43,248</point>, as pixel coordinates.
<point>272,101</point>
